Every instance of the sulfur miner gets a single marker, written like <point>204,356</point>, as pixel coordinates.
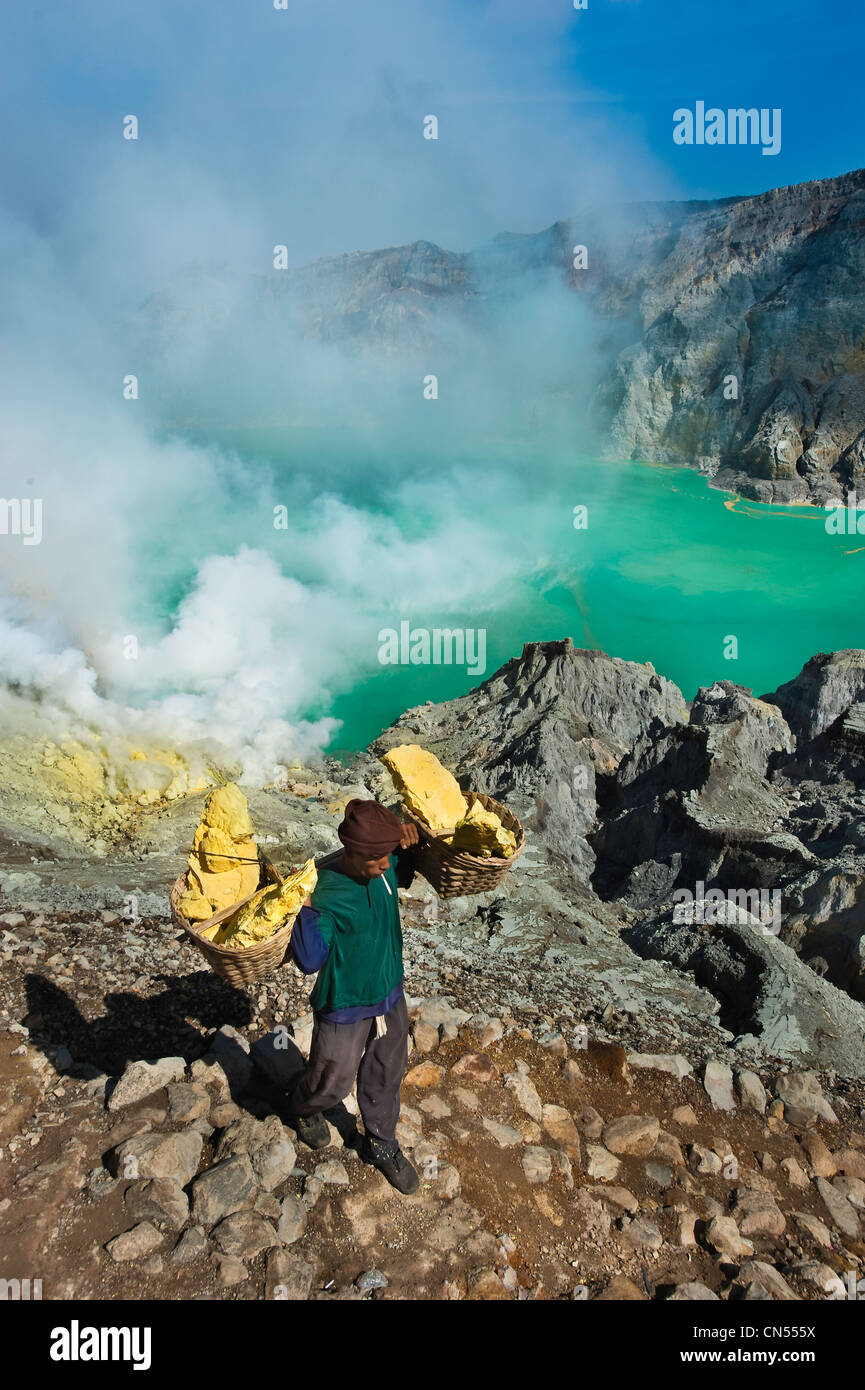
<point>350,934</point>
<point>433,794</point>
<point>224,864</point>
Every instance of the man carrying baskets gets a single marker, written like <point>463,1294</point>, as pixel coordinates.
<point>350,933</point>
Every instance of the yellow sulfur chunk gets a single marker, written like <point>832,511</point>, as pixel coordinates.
<point>226,809</point>
<point>481,832</point>
<point>428,789</point>
<point>264,914</point>
<point>224,866</point>
<point>217,852</point>
<point>194,907</point>
<point>223,890</point>
<point>250,874</point>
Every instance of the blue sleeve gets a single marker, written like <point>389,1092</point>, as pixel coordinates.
<point>309,946</point>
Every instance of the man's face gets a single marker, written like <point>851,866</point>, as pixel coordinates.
<point>367,868</point>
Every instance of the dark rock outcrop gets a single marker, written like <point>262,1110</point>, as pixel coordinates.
<point>825,688</point>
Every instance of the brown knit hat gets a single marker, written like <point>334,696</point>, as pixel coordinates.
<point>369,829</point>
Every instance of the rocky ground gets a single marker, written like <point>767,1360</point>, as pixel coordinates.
<point>554,1165</point>
<point>604,1099</point>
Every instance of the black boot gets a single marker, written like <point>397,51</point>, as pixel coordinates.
<point>392,1163</point>
<point>311,1130</point>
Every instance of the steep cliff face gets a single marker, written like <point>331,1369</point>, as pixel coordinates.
<point>750,355</point>
<point>732,333</point>
<point>726,335</point>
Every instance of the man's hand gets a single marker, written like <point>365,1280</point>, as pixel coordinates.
<point>408,835</point>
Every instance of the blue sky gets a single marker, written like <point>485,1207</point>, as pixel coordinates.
<point>303,125</point>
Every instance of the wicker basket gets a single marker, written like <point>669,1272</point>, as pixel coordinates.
<point>237,967</point>
<point>452,872</point>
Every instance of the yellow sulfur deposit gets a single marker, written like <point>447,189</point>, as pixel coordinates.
<point>224,865</point>
<point>481,832</point>
<point>428,789</point>
<point>194,907</point>
<point>226,809</point>
<point>269,910</point>
<point>433,794</point>
<point>217,852</point>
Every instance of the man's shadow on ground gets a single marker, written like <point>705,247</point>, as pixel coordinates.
<point>134,1028</point>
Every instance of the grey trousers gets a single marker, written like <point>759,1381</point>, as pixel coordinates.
<point>339,1052</point>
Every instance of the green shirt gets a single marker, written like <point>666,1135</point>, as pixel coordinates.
<point>361,926</point>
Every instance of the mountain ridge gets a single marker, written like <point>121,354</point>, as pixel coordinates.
<point>724,334</point>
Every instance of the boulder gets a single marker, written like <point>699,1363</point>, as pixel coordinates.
<point>289,1276</point>
<point>536,1163</point>
<point>842,1213</point>
<point>751,1091</point>
<point>601,1164</point>
<point>141,1079</point>
<point>757,1213</point>
<point>225,1188</point>
<point>135,1244</point>
<point>160,1201</point>
<point>559,1125</point>
<point>173,1156</point>
<point>722,1234</point>
<point>292,1220</point>
<point>718,1082</point>
<point>804,1102</point>
<point>632,1134</point>
<point>244,1234</point>
<point>525,1094</point>
<point>672,1063</point>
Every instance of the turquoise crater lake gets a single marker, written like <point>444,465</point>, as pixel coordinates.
<point>667,570</point>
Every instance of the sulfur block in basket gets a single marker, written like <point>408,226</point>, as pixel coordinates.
<point>226,809</point>
<point>218,853</point>
<point>265,913</point>
<point>194,907</point>
<point>428,789</point>
<point>481,832</point>
<point>224,865</point>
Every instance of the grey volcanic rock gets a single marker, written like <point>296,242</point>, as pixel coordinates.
<point>536,733</point>
<point>227,1187</point>
<point>141,1079</point>
<point>691,803</point>
<point>768,290</point>
<point>677,300</point>
<point>160,1201</point>
<point>824,689</point>
<point>763,986</point>
<point>804,1102</point>
<point>172,1156</point>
